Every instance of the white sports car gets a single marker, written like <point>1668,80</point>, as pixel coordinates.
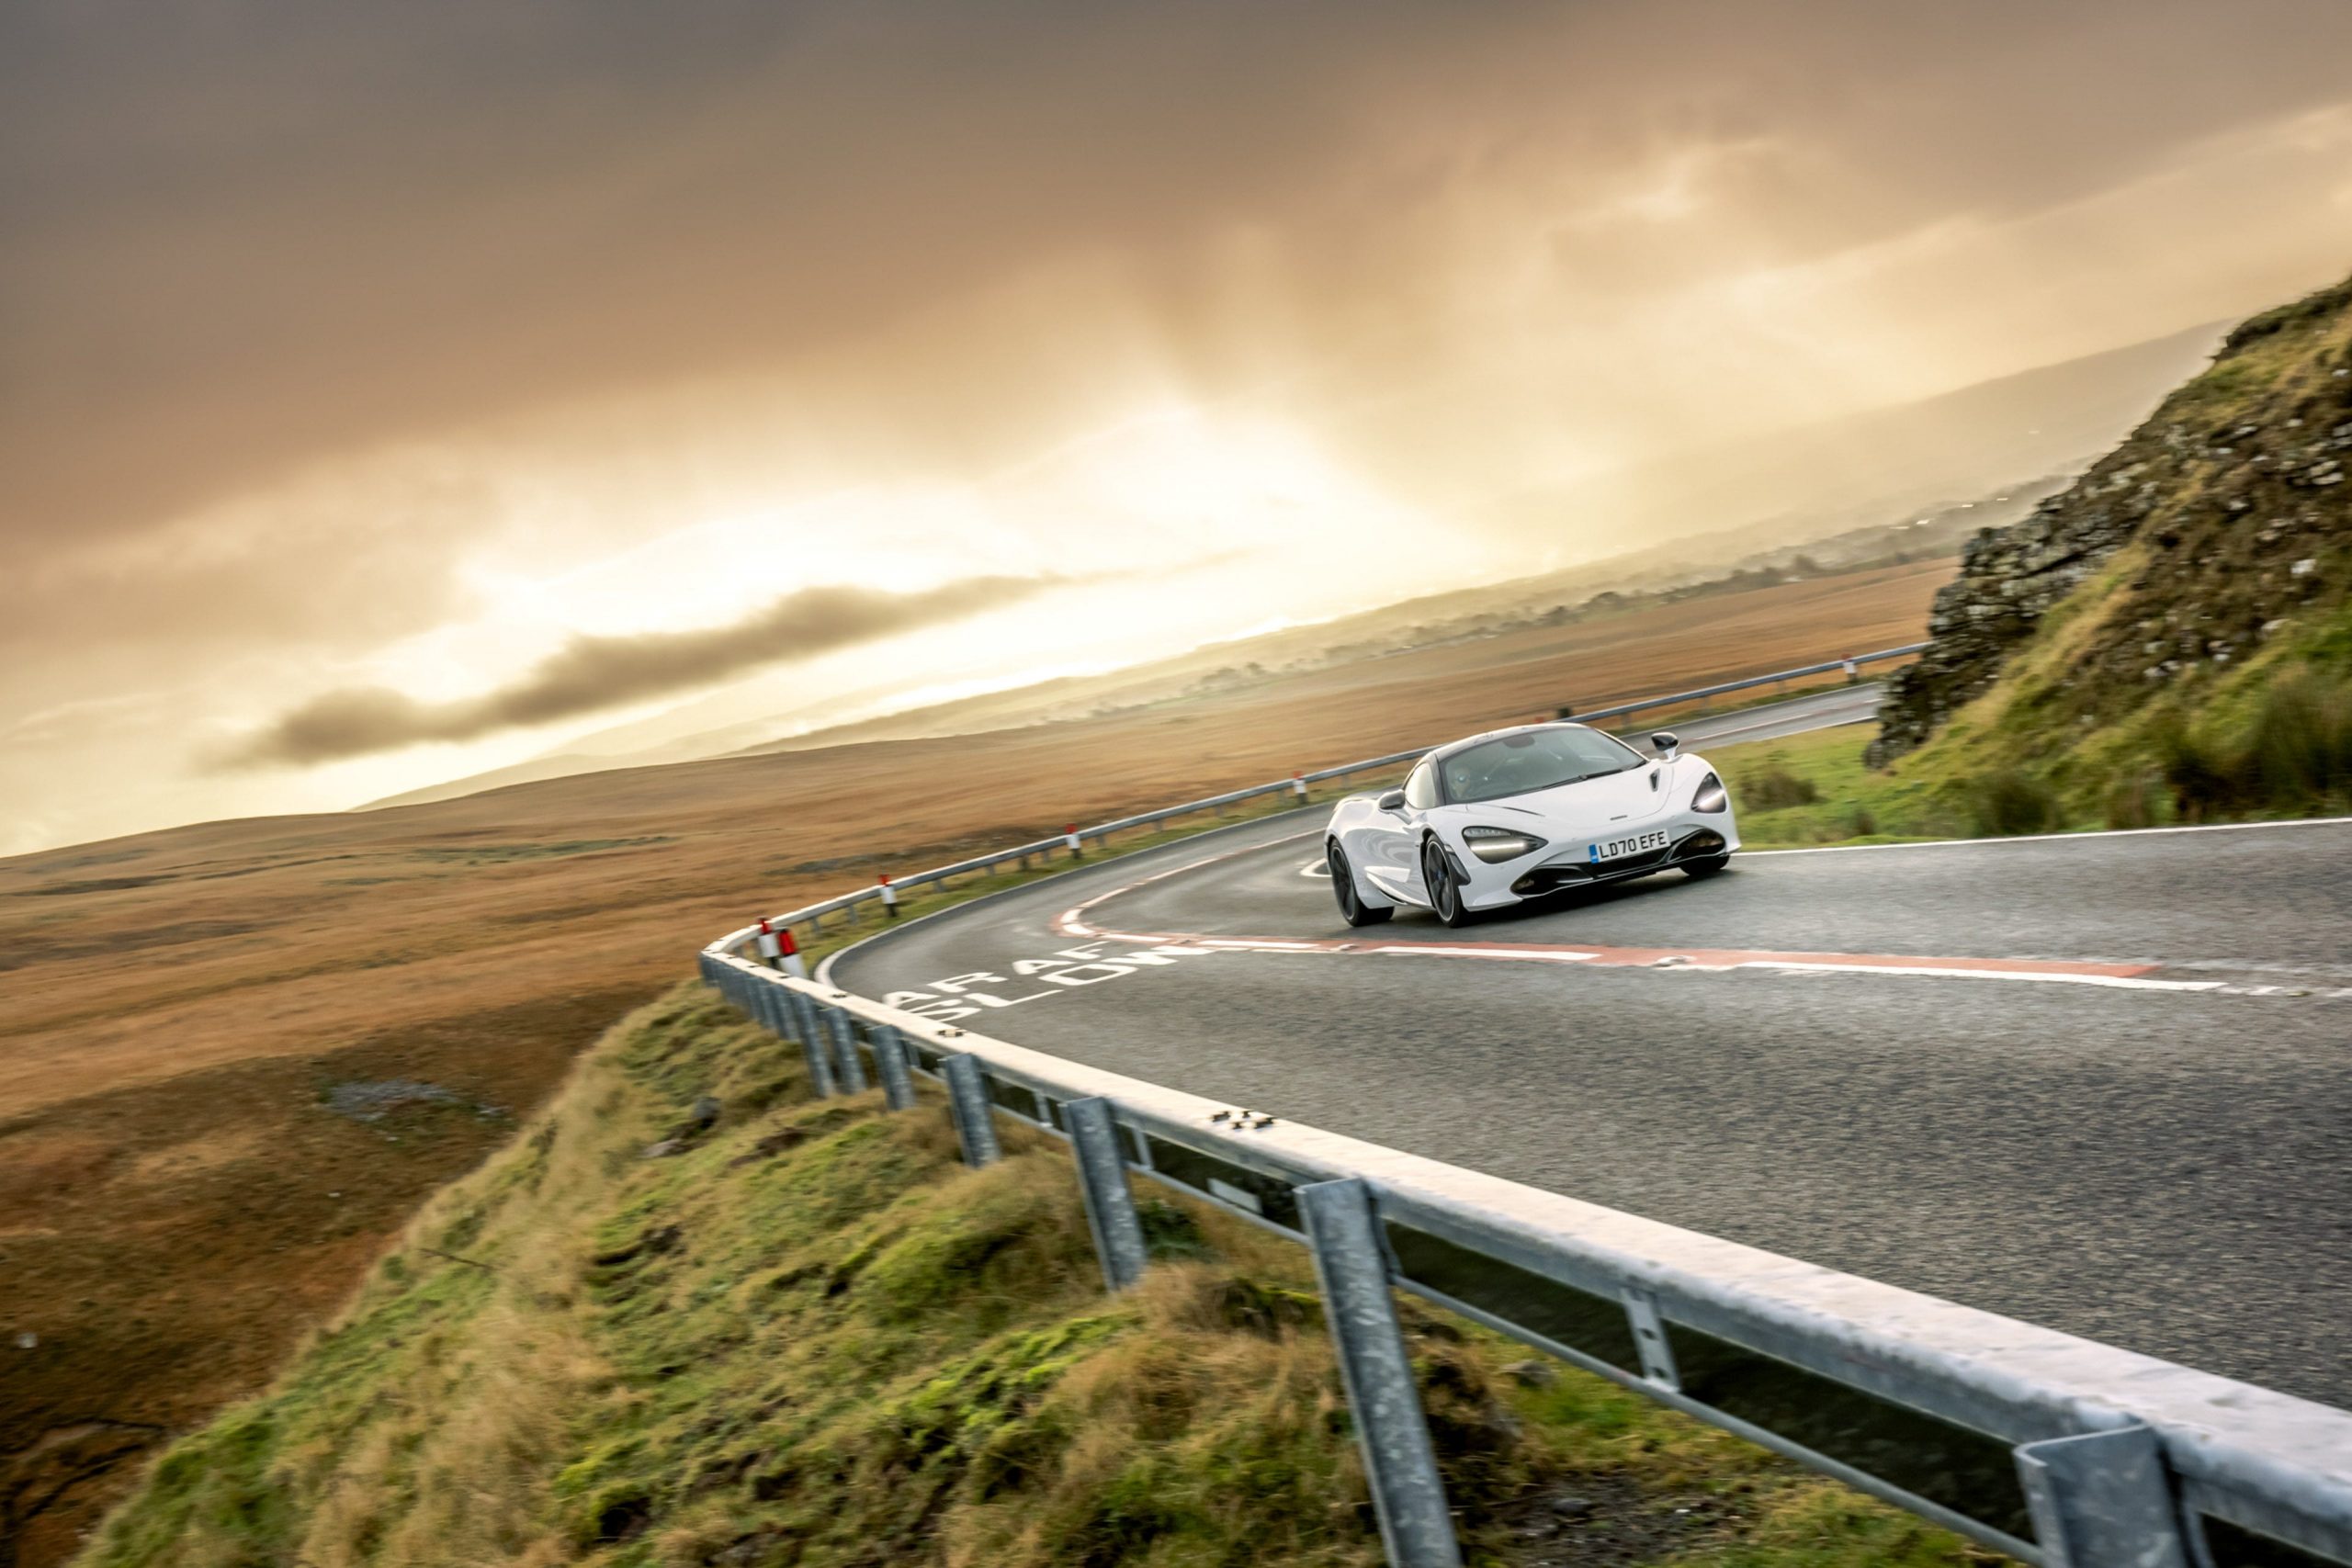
<point>1514,813</point>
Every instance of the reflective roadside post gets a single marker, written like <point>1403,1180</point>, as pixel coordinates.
<point>782,952</point>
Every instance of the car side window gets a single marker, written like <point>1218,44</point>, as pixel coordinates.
<point>1420,788</point>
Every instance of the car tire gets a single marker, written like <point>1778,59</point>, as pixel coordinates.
<point>1352,908</point>
<point>1445,893</point>
<point>1699,870</point>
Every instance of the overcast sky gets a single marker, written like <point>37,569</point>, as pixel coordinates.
<point>383,387</point>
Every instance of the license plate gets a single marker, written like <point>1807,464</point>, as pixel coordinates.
<point>1616,849</point>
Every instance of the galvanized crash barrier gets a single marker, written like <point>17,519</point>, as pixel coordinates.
<point>2057,1450</point>
<point>777,933</point>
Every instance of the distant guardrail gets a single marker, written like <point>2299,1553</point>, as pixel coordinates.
<point>2061,1451</point>
<point>2057,1450</point>
<point>1073,839</point>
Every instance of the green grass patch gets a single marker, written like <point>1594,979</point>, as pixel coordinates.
<point>2270,741</point>
<point>812,1337</point>
<point>1813,789</point>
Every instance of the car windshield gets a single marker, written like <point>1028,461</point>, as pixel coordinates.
<point>1532,760</point>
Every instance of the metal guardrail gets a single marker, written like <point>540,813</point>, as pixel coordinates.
<point>2060,1452</point>
<point>2057,1450</point>
<point>813,916</point>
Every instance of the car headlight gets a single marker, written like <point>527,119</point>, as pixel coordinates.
<point>1495,845</point>
<point>1709,795</point>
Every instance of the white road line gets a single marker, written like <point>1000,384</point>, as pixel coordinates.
<point>2119,982</point>
<point>1443,951</point>
<point>1072,923</point>
<point>2056,837</point>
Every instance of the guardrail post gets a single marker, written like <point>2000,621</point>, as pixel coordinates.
<point>1649,1337</point>
<point>890,1062</point>
<point>967,1101</point>
<point>1343,1231</point>
<point>851,1070</point>
<point>2102,1500</point>
<point>765,1010</point>
<point>812,1046</point>
<point>1103,1182</point>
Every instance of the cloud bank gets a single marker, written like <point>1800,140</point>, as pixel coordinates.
<point>592,674</point>
<point>338,336</point>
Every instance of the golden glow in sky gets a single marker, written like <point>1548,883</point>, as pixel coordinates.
<point>376,400</point>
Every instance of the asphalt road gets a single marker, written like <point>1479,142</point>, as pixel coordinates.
<point>2103,1083</point>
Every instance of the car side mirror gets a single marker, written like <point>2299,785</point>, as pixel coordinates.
<point>1393,801</point>
<point>1666,743</point>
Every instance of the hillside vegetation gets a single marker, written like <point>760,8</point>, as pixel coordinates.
<point>2202,666</point>
<point>2169,640</point>
<point>812,1337</point>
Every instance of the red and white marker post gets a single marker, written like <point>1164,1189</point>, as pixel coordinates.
<point>1070,842</point>
<point>782,952</point>
<point>1298,785</point>
<point>889,899</point>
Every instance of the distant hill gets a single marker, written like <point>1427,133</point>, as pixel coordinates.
<point>1835,492</point>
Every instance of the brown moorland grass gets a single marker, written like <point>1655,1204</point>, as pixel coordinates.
<point>182,1190</point>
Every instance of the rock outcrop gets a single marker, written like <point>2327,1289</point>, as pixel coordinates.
<point>2236,483</point>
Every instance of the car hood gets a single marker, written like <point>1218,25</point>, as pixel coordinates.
<point>1590,807</point>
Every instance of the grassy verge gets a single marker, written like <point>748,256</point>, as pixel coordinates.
<point>1813,789</point>
<point>2273,741</point>
<point>813,1339</point>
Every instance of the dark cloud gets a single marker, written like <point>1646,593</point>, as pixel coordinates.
<point>317,314</point>
<point>591,673</point>
<point>246,236</point>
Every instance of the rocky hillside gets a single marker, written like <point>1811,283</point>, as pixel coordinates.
<point>2216,532</point>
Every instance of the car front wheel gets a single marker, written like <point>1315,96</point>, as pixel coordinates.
<point>1445,893</point>
<point>1352,908</point>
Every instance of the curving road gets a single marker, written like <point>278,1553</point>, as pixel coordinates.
<point>2100,1082</point>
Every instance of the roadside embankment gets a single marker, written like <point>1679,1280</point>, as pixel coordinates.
<point>690,1318</point>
